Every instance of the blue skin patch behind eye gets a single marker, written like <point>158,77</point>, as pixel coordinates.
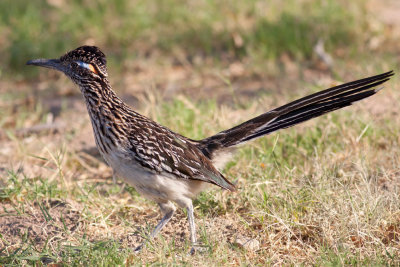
<point>83,65</point>
<point>87,66</point>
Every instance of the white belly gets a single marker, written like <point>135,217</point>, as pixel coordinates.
<point>155,186</point>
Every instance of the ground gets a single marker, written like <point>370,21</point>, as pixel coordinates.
<point>322,193</point>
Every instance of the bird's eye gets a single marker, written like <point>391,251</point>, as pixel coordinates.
<point>86,66</point>
<point>74,64</point>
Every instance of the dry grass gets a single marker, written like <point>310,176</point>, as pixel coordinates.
<point>326,192</point>
<point>322,193</point>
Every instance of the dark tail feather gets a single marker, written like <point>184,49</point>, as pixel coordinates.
<point>295,112</point>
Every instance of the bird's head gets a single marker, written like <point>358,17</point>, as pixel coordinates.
<point>84,64</point>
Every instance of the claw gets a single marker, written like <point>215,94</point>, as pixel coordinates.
<point>198,248</point>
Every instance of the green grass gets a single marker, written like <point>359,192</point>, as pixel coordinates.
<point>102,253</point>
<point>323,193</point>
<point>128,30</point>
<point>36,188</point>
<point>296,189</point>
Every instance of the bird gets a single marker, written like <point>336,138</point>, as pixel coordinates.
<point>167,167</point>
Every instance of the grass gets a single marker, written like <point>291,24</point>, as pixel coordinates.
<point>216,30</point>
<point>323,193</point>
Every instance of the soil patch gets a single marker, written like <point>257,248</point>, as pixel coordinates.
<point>46,221</point>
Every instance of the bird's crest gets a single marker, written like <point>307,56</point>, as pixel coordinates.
<point>89,57</point>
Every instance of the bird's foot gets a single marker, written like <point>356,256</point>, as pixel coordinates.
<point>198,248</point>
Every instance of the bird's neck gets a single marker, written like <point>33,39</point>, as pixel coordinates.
<point>101,101</point>
<point>107,115</point>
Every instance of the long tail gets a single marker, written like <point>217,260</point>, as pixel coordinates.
<point>293,113</point>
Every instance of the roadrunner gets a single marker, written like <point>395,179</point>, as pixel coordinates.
<point>165,166</point>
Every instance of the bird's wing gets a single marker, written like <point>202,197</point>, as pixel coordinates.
<point>163,151</point>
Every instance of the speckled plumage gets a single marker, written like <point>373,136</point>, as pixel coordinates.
<point>168,167</point>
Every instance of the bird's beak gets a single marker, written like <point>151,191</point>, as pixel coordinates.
<point>47,63</point>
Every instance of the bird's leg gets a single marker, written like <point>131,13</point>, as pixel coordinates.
<point>167,209</point>
<point>192,227</point>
